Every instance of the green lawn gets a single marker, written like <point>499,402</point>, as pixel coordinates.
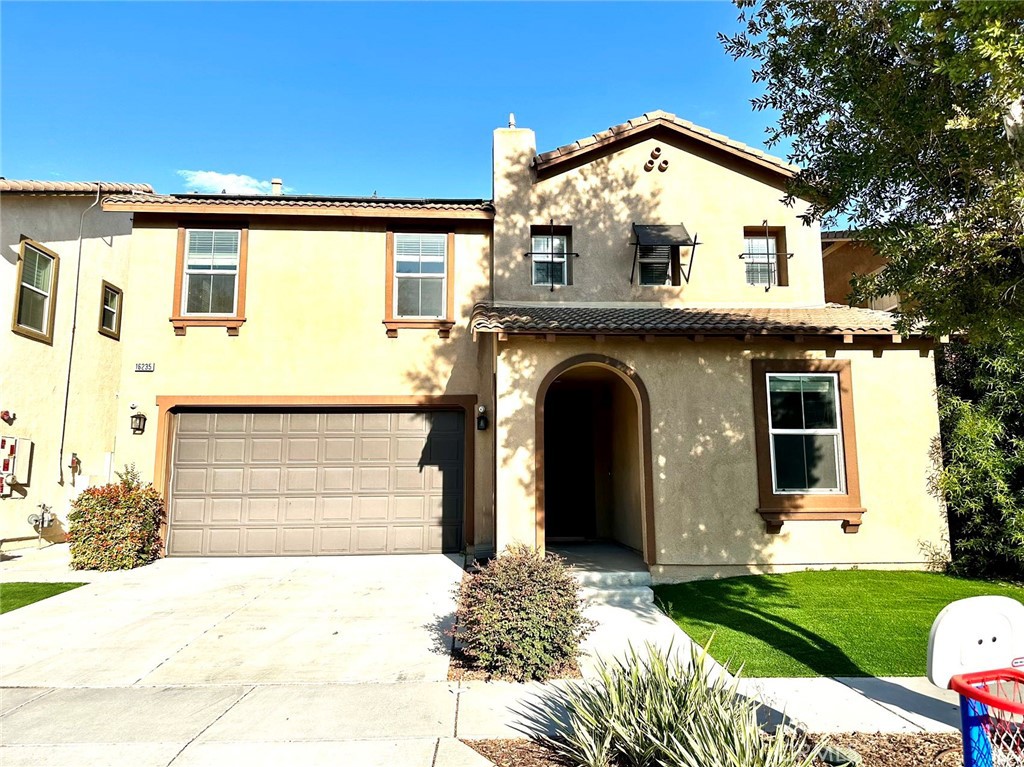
<point>15,595</point>
<point>831,623</point>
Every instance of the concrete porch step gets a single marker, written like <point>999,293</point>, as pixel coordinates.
<point>623,596</point>
<point>612,579</point>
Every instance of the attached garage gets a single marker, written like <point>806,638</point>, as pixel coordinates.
<point>333,482</point>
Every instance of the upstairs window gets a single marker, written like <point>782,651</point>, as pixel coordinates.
<point>764,256</point>
<point>420,275</point>
<point>37,291</point>
<point>110,311</point>
<point>211,271</point>
<point>657,264</point>
<point>549,258</point>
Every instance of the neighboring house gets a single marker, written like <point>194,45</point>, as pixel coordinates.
<point>64,267</point>
<point>630,342</point>
<point>843,257</point>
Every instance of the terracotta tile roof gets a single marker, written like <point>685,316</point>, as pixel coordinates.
<point>70,187</point>
<point>653,119</point>
<point>159,202</point>
<point>831,319</point>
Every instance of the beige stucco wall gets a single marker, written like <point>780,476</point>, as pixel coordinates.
<point>704,461</point>
<point>711,195</point>
<point>841,263</point>
<point>33,375</point>
<point>314,308</point>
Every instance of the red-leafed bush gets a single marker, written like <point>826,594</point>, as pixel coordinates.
<point>116,526</point>
<point>520,616</point>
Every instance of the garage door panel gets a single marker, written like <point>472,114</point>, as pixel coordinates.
<point>226,510</point>
<point>193,450</point>
<point>298,541</point>
<point>225,423</point>
<point>301,480</point>
<point>337,509</point>
<point>266,450</point>
<point>229,450</point>
<point>260,541</point>
<point>304,450</point>
<point>373,478</point>
<point>188,510</point>
<point>263,510</point>
<point>339,449</point>
<point>335,540</point>
<point>371,540</point>
<point>188,480</point>
<point>304,483</point>
<point>227,480</point>
<point>224,540</point>
<point>186,541</point>
<point>299,509</point>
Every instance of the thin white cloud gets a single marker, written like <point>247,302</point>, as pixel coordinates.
<point>212,182</point>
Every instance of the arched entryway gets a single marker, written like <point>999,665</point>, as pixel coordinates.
<point>593,462</point>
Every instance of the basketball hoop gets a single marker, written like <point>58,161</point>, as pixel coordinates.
<point>969,636</point>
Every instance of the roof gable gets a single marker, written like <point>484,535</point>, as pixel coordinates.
<point>582,150</point>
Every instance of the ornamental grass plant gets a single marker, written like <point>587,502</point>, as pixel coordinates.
<point>116,526</point>
<point>661,710</point>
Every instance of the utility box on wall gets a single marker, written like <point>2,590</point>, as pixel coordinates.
<point>15,463</point>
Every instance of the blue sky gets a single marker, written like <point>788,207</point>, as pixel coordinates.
<point>345,98</point>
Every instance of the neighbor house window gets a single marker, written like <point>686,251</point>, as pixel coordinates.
<point>419,290</point>
<point>764,256</point>
<point>805,442</point>
<point>110,310</point>
<point>37,292</point>
<point>211,271</point>
<point>548,253</point>
<point>209,288</point>
<point>806,436</point>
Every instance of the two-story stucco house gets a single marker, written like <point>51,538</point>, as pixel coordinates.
<point>63,269</point>
<point>630,342</point>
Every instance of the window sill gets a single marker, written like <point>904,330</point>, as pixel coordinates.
<point>443,327</point>
<point>181,324</point>
<point>774,518</point>
<point>35,335</point>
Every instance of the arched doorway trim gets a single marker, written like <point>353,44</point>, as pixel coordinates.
<point>629,375</point>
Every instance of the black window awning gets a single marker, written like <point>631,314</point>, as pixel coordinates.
<point>661,234</point>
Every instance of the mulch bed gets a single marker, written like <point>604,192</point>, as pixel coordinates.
<point>876,750</point>
<point>461,668</point>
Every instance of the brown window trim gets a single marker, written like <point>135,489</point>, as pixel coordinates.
<point>232,323</point>
<point>116,332</point>
<point>21,330</point>
<point>393,324</point>
<point>781,260</point>
<point>777,509</point>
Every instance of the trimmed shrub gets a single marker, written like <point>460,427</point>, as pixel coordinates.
<point>666,712</point>
<point>116,526</point>
<point>520,616</point>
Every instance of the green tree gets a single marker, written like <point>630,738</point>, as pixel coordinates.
<point>907,120</point>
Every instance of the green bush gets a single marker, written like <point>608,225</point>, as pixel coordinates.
<point>520,616</point>
<point>663,711</point>
<point>116,526</point>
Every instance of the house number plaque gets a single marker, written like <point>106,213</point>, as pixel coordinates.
<point>145,367</point>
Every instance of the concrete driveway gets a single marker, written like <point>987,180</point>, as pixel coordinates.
<point>236,621</point>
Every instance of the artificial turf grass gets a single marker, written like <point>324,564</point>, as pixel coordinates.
<point>19,594</point>
<point>822,623</point>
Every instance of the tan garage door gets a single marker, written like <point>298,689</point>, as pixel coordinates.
<point>302,483</point>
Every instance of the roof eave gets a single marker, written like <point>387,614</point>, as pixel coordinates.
<point>179,208</point>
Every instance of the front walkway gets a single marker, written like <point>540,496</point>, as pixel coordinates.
<point>287,705</point>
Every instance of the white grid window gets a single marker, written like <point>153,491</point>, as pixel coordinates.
<point>549,258</point>
<point>110,311</point>
<point>36,289</point>
<point>805,432</point>
<point>211,271</point>
<point>761,257</point>
<point>421,262</point>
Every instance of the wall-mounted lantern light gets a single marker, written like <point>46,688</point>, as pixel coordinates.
<point>481,418</point>
<point>138,423</point>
